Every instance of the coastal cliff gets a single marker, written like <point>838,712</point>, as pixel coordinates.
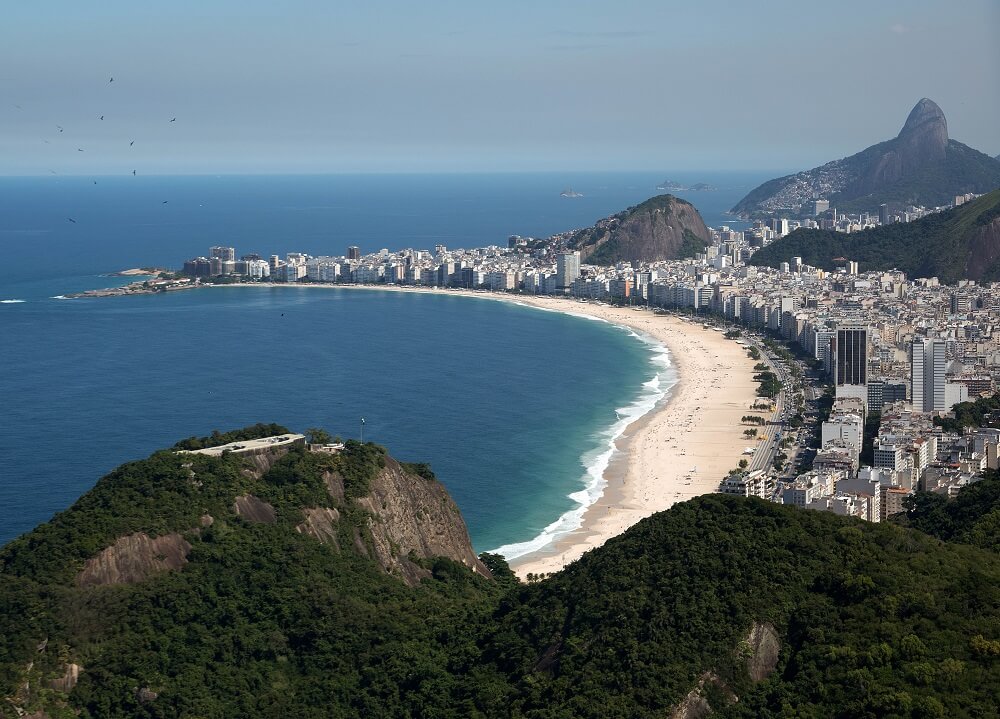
<point>661,228</point>
<point>920,166</point>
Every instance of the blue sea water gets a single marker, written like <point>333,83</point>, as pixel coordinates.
<point>515,408</point>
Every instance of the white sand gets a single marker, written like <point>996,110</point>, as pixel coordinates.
<point>682,449</point>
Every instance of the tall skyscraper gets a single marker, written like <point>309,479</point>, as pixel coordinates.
<point>883,214</point>
<point>928,363</point>
<point>850,366</point>
<point>353,253</point>
<point>567,269</point>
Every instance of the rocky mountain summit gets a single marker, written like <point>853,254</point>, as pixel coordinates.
<point>661,228</point>
<point>920,166</point>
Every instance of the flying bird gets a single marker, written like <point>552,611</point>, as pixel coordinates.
<point>102,117</point>
<point>60,128</point>
<point>133,173</point>
<point>131,143</point>
<point>165,202</point>
<point>111,80</point>
<point>79,149</point>
<point>174,120</point>
<point>71,220</point>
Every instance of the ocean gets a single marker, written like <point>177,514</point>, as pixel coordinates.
<point>516,409</point>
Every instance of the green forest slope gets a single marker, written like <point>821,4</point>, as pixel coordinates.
<point>951,245</point>
<point>869,620</point>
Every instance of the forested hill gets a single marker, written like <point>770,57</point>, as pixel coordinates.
<point>661,228</point>
<point>722,604</point>
<point>962,243</point>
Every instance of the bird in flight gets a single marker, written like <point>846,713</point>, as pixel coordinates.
<point>133,173</point>
<point>102,117</point>
<point>165,202</point>
<point>60,127</point>
<point>71,220</point>
<point>173,120</point>
<point>79,149</point>
<point>111,80</point>
<point>131,143</point>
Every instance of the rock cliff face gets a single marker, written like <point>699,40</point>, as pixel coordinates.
<point>984,251</point>
<point>412,517</point>
<point>920,166</point>
<point>759,652</point>
<point>661,228</point>
<point>133,558</point>
<point>401,519</point>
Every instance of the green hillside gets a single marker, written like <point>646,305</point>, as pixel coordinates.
<point>950,245</point>
<point>863,620</point>
<point>963,169</point>
<point>663,227</point>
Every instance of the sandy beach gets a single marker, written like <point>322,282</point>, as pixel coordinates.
<point>681,449</point>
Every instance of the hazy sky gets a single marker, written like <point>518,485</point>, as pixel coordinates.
<point>376,86</point>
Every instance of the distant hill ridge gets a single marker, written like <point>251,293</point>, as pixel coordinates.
<point>961,243</point>
<point>664,227</point>
<point>920,166</point>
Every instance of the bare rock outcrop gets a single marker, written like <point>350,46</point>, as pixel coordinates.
<point>133,558</point>
<point>320,523</point>
<point>68,680</point>
<point>759,652</point>
<point>254,510</point>
<point>661,228</point>
<point>984,250</point>
<point>413,516</point>
<point>762,649</point>
<point>695,705</point>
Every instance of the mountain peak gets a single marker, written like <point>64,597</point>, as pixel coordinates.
<point>926,117</point>
<point>920,166</point>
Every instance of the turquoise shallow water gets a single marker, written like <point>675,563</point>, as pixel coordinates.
<point>512,406</point>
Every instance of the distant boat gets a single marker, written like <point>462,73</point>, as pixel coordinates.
<point>568,192</point>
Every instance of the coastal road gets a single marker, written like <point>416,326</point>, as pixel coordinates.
<point>763,457</point>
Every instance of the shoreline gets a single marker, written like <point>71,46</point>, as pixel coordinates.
<point>679,449</point>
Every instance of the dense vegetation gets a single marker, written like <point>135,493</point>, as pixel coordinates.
<point>973,517</point>
<point>874,620</point>
<point>937,245</point>
<point>970,414</point>
<point>962,170</point>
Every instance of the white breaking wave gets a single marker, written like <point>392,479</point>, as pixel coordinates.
<point>11,302</point>
<point>60,297</point>
<point>597,462</point>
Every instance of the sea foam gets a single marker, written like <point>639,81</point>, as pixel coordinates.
<point>597,461</point>
<point>11,302</point>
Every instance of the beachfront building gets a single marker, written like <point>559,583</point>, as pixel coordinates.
<point>567,270</point>
<point>756,483</point>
